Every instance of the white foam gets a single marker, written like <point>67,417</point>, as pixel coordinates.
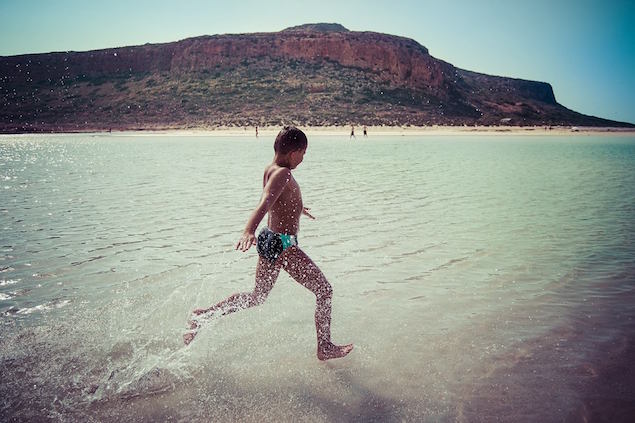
<point>6,282</point>
<point>43,307</point>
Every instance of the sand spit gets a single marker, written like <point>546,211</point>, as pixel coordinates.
<point>375,131</point>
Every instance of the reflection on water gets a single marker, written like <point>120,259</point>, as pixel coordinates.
<point>480,278</point>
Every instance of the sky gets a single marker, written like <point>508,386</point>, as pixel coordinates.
<point>584,48</point>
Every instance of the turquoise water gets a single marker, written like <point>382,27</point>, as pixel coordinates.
<point>480,278</point>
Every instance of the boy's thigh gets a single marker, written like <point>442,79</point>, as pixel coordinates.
<point>301,268</point>
<point>266,274</point>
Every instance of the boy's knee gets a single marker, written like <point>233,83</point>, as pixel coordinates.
<point>258,299</point>
<point>325,291</point>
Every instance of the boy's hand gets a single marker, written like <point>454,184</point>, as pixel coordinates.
<point>246,241</point>
<point>305,211</point>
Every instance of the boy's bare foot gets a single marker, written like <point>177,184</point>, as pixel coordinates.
<point>188,337</point>
<point>329,351</point>
<point>191,333</point>
<point>195,323</point>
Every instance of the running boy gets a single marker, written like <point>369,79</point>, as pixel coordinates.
<point>277,246</point>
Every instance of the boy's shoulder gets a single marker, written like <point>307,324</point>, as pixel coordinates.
<point>276,171</point>
<point>276,168</point>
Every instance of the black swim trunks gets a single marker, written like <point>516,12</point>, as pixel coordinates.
<point>271,244</point>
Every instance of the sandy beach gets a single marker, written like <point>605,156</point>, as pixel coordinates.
<point>381,131</point>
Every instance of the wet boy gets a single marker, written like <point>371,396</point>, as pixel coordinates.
<point>278,248</point>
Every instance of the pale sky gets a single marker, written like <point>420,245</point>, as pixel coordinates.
<point>584,48</point>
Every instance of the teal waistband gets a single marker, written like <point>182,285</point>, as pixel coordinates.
<point>288,241</point>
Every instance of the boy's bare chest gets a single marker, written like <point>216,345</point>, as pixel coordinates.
<point>291,193</point>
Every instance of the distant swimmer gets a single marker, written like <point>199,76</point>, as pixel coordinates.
<point>278,248</point>
<point>365,132</point>
<point>352,133</point>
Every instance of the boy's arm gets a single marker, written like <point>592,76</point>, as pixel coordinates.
<point>270,194</point>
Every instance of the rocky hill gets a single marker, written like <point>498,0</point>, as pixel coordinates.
<point>317,74</point>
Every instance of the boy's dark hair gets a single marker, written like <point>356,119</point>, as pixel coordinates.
<point>290,139</point>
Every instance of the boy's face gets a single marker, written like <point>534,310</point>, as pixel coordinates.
<point>296,157</point>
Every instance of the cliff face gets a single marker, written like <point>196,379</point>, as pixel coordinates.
<point>397,59</point>
<point>394,59</point>
<point>314,74</point>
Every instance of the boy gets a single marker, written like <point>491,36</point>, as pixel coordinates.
<point>277,246</point>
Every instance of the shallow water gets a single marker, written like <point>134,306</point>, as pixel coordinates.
<point>480,278</point>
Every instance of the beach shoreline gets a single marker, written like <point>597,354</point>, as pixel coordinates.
<point>372,131</point>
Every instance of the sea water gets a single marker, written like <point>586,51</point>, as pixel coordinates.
<point>481,278</point>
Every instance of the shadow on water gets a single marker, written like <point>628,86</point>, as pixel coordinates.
<point>366,406</point>
<point>217,395</point>
<point>345,399</point>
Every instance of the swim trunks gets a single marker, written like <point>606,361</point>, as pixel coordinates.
<point>271,244</point>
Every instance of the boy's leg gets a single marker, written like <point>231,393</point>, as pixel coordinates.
<point>301,268</point>
<point>266,275</point>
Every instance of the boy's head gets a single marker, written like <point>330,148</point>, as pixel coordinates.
<point>290,139</point>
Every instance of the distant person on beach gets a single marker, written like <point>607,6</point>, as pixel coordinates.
<point>277,246</point>
<point>365,132</point>
<point>352,133</point>
<point>256,132</point>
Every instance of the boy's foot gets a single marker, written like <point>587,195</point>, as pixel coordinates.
<point>194,324</point>
<point>191,333</point>
<point>329,351</point>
